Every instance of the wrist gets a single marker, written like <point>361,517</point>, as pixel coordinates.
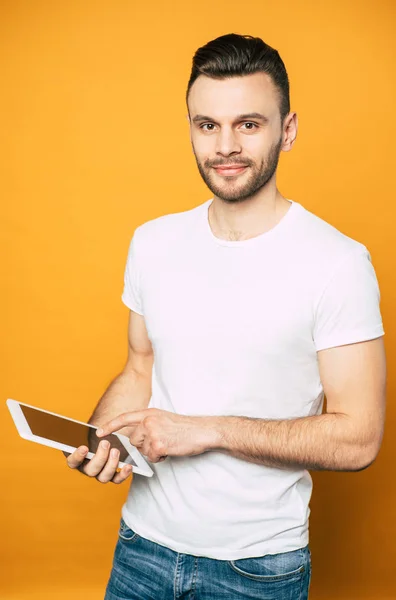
<point>215,432</point>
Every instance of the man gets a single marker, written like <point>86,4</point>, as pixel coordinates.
<point>244,312</point>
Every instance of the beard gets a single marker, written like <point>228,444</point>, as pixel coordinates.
<point>230,189</point>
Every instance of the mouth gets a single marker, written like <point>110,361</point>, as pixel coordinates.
<point>228,171</point>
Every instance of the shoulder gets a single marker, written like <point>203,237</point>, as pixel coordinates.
<point>326,245</point>
<point>167,230</point>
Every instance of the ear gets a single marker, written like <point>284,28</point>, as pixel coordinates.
<point>291,131</point>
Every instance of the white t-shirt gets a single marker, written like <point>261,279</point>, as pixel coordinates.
<point>235,327</point>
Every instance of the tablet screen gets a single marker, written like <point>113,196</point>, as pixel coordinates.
<point>60,429</point>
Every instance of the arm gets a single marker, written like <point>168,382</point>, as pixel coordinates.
<point>346,438</point>
<point>131,389</point>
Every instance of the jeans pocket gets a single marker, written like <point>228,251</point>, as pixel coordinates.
<point>273,567</point>
<point>126,533</point>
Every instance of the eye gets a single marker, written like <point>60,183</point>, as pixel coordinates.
<point>204,125</point>
<point>255,125</point>
<point>251,123</point>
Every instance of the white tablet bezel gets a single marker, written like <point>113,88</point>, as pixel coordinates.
<point>25,432</point>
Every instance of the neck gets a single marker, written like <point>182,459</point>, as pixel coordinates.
<point>246,219</point>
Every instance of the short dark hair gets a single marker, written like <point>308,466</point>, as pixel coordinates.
<point>235,55</point>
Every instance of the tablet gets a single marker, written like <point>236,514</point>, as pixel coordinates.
<point>50,429</point>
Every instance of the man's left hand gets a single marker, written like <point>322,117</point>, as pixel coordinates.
<point>160,433</point>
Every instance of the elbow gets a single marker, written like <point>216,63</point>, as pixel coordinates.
<point>366,456</point>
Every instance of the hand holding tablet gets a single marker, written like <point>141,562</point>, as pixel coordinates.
<point>103,465</point>
<point>50,429</point>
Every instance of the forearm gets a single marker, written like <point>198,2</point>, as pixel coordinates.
<point>320,442</point>
<point>128,391</point>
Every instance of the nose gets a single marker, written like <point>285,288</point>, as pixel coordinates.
<point>227,142</point>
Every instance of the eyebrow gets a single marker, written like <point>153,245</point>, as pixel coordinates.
<point>253,115</point>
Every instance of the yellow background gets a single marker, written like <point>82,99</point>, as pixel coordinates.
<point>94,143</point>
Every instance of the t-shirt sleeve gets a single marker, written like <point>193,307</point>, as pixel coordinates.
<point>348,309</point>
<point>131,295</point>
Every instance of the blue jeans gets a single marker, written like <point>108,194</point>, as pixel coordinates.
<point>144,570</point>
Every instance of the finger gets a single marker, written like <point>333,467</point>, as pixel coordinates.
<point>109,470</point>
<point>129,418</point>
<point>75,459</point>
<point>155,458</point>
<point>122,475</point>
<point>138,437</point>
<point>99,460</point>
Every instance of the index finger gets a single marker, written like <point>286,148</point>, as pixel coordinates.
<point>130,418</point>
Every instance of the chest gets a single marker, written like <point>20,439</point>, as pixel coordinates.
<point>254,300</point>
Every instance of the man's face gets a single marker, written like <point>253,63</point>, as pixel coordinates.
<point>222,137</point>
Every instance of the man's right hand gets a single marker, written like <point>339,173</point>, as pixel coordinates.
<point>102,466</point>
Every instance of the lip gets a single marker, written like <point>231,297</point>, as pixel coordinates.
<point>223,168</point>
<point>228,170</point>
